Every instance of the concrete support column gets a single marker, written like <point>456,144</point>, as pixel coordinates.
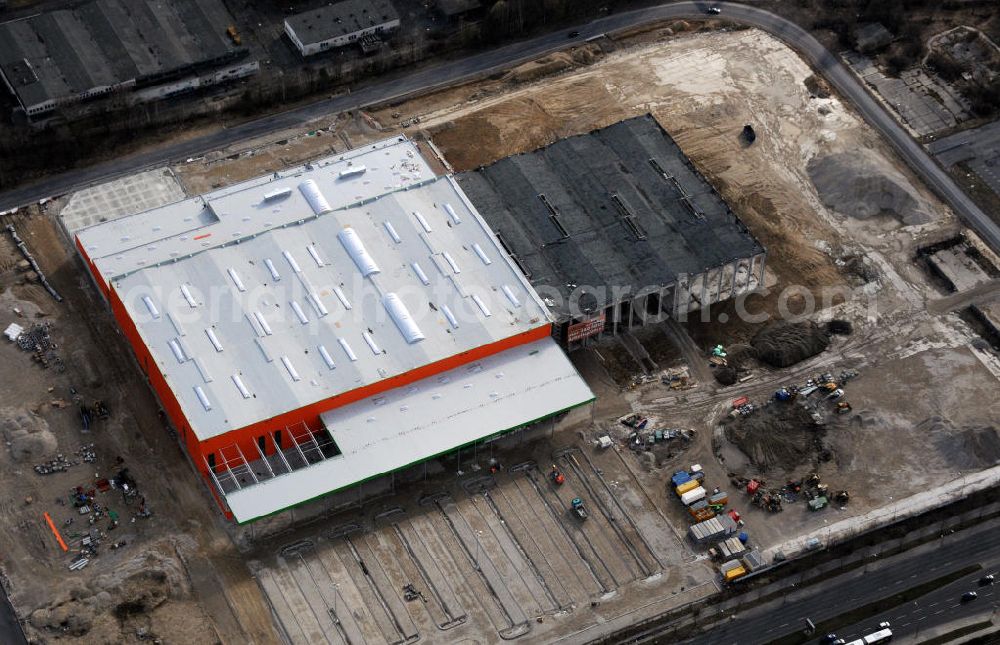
<point>736,270</point>
<point>704,290</point>
<point>761,281</point>
<point>722,276</point>
<point>750,273</point>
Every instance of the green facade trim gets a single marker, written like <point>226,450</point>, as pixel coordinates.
<point>419,461</point>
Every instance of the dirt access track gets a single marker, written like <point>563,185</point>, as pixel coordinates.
<point>501,557</point>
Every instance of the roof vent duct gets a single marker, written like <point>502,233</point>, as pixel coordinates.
<point>356,249</point>
<point>401,316</point>
<point>315,197</point>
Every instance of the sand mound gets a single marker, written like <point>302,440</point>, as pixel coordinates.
<point>778,437</point>
<point>853,185</point>
<point>968,447</point>
<point>783,343</point>
<point>27,435</point>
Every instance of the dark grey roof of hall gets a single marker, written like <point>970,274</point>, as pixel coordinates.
<point>58,54</point>
<point>594,182</point>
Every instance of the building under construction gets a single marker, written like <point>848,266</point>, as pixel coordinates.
<point>317,328</point>
<point>616,228</point>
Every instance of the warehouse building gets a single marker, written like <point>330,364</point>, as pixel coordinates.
<point>313,329</point>
<point>616,228</point>
<point>93,49</point>
<point>341,23</point>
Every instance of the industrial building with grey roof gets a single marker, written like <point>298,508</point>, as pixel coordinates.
<point>93,48</point>
<point>620,208</point>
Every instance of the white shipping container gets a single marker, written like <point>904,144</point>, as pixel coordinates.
<point>693,496</point>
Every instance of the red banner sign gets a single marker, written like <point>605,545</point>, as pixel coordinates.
<point>585,329</point>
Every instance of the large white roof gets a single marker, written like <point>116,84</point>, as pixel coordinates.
<point>406,425</point>
<point>302,310</point>
<point>235,212</point>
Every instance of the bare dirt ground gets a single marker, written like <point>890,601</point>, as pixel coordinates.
<point>174,576</point>
<point>471,545</point>
<point>703,88</point>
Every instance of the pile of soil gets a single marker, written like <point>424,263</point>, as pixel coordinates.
<point>841,327</point>
<point>782,436</point>
<point>784,343</point>
<point>27,435</point>
<point>966,448</point>
<point>852,184</point>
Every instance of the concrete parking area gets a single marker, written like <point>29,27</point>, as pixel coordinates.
<point>499,556</point>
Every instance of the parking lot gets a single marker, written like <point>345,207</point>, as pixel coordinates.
<point>496,554</point>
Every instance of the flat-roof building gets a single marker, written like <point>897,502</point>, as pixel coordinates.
<point>616,228</point>
<point>312,329</point>
<point>339,24</point>
<point>103,46</point>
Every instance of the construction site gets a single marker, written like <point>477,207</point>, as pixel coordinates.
<point>495,467</point>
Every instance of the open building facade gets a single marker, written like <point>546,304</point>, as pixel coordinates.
<point>616,228</point>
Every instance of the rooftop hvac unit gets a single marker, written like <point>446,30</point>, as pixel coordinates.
<point>342,297</point>
<point>315,197</point>
<point>482,254</point>
<point>317,304</point>
<point>347,349</point>
<point>353,171</point>
<point>240,386</point>
<point>200,393</point>
<point>187,296</point>
<point>507,291</point>
<point>452,214</point>
<point>213,339</point>
<point>301,315</point>
<point>278,193</point>
<point>292,262</point>
<point>423,221</point>
<point>326,357</point>
<point>446,310</point>
<point>420,273</point>
<point>356,249</point>
<point>175,347</point>
<point>315,255</point>
<point>153,311</point>
<point>270,267</point>
<point>391,230</point>
<point>291,368</point>
<point>401,316</point>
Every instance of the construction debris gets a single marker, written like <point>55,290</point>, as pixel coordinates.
<point>38,341</point>
<point>60,464</point>
<point>34,265</point>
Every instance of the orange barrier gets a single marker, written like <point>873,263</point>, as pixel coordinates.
<point>55,532</point>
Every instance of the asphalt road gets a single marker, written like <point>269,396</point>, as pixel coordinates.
<point>464,69</point>
<point>10,630</point>
<point>980,545</point>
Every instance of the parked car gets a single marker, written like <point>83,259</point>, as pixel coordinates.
<point>986,580</point>
<point>969,596</point>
